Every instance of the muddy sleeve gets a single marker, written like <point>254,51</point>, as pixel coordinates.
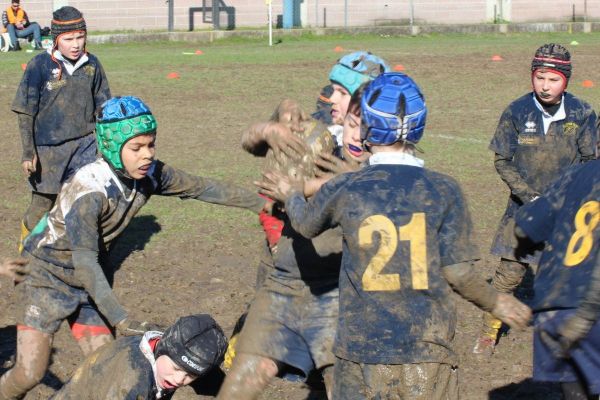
<point>466,281</point>
<point>26,131</point>
<point>510,175</point>
<point>28,94</point>
<point>311,218</point>
<point>588,137</point>
<point>81,224</point>
<point>174,182</point>
<point>101,88</point>
<point>589,309</point>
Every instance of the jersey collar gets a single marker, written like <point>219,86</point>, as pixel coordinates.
<point>396,158</point>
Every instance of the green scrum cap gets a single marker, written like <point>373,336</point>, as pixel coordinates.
<point>120,119</point>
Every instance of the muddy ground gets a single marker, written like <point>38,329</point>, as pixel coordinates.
<point>179,258</point>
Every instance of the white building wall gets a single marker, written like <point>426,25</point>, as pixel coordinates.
<point>109,15</point>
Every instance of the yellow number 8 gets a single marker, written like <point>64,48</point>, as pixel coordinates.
<point>582,241</point>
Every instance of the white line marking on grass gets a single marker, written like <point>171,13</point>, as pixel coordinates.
<point>460,139</point>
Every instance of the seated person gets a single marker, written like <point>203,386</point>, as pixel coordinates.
<point>151,366</point>
<point>16,22</point>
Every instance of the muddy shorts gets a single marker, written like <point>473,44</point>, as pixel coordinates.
<point>424,381</point>
<point>289,324</point>
<point>585,357</point>
<point>58,163</point>
<point>46,301</point>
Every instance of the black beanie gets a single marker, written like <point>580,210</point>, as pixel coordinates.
<point>66,19</point>
<point>195,343</point>
<point>553,57</point>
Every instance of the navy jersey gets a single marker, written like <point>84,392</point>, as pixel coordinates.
<point>117,370</point>
<point>64,109</point>
<point>566,217</point>
<point>401,224</point>
<point>538,157</point>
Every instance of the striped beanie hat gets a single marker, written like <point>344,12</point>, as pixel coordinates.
<point>64,20</point>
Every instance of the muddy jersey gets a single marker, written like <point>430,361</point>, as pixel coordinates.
<point>401,224</point>
<point>317,260</point>
<point>118,370</point>
<point>95,206</point>
<point>566,217</point>
<point>63,105</point>
<point>539,156</point>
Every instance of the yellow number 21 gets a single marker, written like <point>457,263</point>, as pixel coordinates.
<point>414,232</point>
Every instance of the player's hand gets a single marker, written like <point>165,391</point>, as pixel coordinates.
<point>130,327</point>
<point>281,139</point>
<point>278,186</point>
<point>511,311</point>
<point>291,114</point>
<point>16,269</point>
<point>29,166</point>
<point>335,165</point>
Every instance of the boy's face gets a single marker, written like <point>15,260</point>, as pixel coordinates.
<point>340,99</point>
<point>352,144</point>
<point>71,44</point>
<point>14,6</point>
<point>137,155</point>
<point>548,86</point>
<point>169,375</point>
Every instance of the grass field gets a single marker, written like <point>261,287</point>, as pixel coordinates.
<point>202,258</point>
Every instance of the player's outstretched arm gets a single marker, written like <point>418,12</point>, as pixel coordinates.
<point>464,279</point>
<point>28,156</point>
<point>174,182</point>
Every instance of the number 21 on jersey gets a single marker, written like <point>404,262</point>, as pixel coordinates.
<point>581,242</point>
<point>373,278</point>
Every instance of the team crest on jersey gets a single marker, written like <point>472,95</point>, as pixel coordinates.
<point>530,127</point>
<point>570,128</point>
<point>89,70</point>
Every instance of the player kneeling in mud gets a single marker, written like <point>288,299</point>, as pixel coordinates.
<point>291,323</point>
<point>406,245</point>
<point>67,246</point>
<point>149,366</point>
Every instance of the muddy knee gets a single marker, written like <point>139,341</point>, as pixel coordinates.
<point>508,275</point>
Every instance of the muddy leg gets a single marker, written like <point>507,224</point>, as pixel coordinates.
<point>33,354</point>
<point>248,377</point>
<point>507,277</point>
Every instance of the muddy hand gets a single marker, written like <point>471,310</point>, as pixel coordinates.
<point>28,166</point>
<point>280,138</point>
<point>333,164</point>
<point>278,186</point>
<point>291,114</point>
<point>511,311</point>
<point>16,269</point>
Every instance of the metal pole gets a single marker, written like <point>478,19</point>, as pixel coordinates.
<point>324,17</point>
<point>269,2</point>
<point>495,15</point>
<point>412,12</point>
<point>316,13</point>
<point>171,14</point>
<point>346,14</point>
<point>573,19</point>
<point>584,10</point>
<point>216,15</point>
